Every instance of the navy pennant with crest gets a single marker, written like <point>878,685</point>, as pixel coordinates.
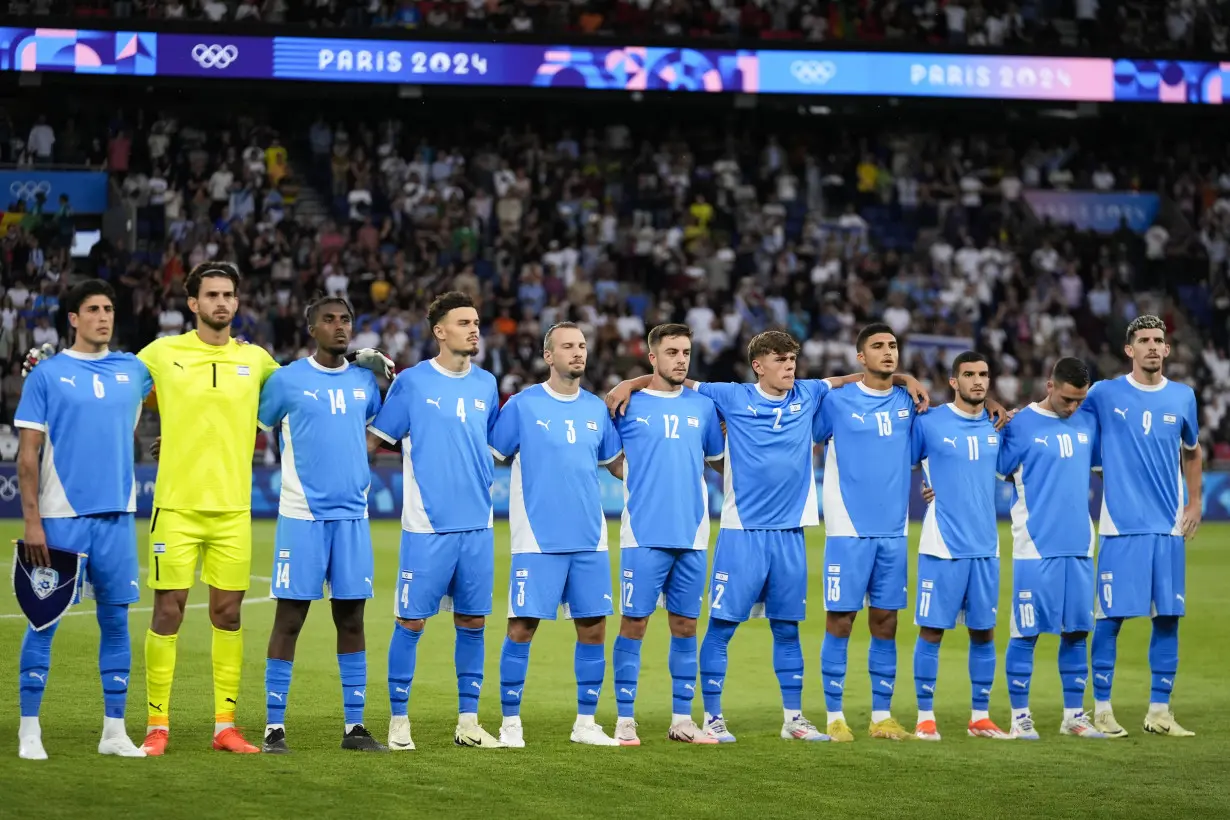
<point>45,593</point>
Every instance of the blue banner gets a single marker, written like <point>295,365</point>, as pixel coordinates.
<point>386,493</point>
<point>1095,210</point>
<point>86,190</point>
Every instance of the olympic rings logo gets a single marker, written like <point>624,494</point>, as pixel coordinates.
<point>29,189</point>
<point>813,72</point>
<point>214,56</point>
<point>9,489</point>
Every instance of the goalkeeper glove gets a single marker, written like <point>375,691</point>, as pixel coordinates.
<point>371,359</point>
<point>36,355</point>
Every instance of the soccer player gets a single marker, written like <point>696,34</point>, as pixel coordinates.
<point>769,496</point>
<point>80,409</point>
<point>667,436</point>
<point>555,435</point>
<point>321,407</point>
<point>1150,456</point>
<point>1047,453</point>
<point>442,411</point>
<point>958,555</point>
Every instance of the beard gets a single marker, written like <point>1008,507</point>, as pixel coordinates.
<point>215,324</point>
<point>672,379</point>
<point>575,371</point>
<point>971,400</point>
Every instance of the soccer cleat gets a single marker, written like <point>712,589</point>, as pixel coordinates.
<point>155,744</point>
<point>30,747</point>
<point>715,727</point>
<point>1105,723</point>
<point>120,746</point>
<point>399,734</point>
<point>625,732</point>
<point>1023,728</point>
<point>888,729</point>
<point>512,735</point>
<point>591,734</point>
<point>359,739</point>
<point>475,736</point>
<point>275,743</point>
<point>1080,726</point>
<point>839,732</point>
<point>1163,723</point>
<point>987,728</point>
<point>800,728</point>
<point>926,730</point>
<point>230,740</point>
<point>689,732</point>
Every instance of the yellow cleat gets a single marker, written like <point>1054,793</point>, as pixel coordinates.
<point>1163,723</point>
<point>839,732</point>
<point>889,729</point>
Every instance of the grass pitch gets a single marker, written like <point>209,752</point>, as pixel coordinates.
<point>1142,776</point>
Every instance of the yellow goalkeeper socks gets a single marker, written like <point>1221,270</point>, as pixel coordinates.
<point>228,664</point>
<point>159,673</point>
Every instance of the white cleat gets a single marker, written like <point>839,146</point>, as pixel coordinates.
<point>688,732</point>
<point>30,747</point>
<point>512,735</point>
<point>715,727</point>
<point>800,728</point>
<point>1163,723</point>
<point>1105,723</point>
<point>1080,726</point>
<point>591,734</point>
<point>120,746</point>
<point>399,734</point>
<point>474,736</point>
<point>625,732</point>
<point>1023,729</point>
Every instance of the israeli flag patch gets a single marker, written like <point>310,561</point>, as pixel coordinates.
<point>1025,595</point>
<point>903,413</point>
<point>1170,418</point>
<point>284,553</point>
<point>834,569</point>
<point>360,395</point>
<point>479,404</point>
<point>523,573</point>
<point>627,573</point>
<point>992,439</point>
<point>794,408</point>
<point>242,370</point>
<point>592,425</point>
<point>693,421</point>
<point>1108,576</point>
<point>1082,438</point>
<point>160,549</point>
<point>122,378</point>
<point>928,585</point>
<point>721,576</point>
<point>407,575</point>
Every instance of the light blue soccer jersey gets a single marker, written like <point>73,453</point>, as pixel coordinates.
<point>866,461</point>
<point>958,452</point>
<point>443,421</point>
<point>87,406</point>
<point>1048,460</point>
<point>667,437</point>
<point>556,444</point>
<point>768,481</point>
<point>321,416</point>
<point>1142,430</point>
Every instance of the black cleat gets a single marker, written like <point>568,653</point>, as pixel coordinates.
<point>359,739</point>
<point>275,743</point>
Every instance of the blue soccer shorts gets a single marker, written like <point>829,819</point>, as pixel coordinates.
<point>112,574</point>
<point>862,572</point>
<point>1052,596</point>
<point>1141,575</point>
<point>956,591</point>
<point>541,582</point>
<point>309,554</point>
<point>450,571</point>
<point>651,577</point>
<point>759,574</point>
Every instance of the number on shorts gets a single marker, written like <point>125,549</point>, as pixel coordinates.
<point>718,591</point>
<point>1027,615</point>
<point>521,593</point>
<point>627,594</point>
<point>405,596</point>
<point>833,588</point>
<point>461,410</point>
<point>1106,596</point>
<point>282,575</point>
<point>924,604</point>
<point>99,389</point>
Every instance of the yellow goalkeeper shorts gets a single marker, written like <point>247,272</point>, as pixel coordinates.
<point>222,541</point>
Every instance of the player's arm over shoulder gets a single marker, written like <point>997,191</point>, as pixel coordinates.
<point>264,363</point>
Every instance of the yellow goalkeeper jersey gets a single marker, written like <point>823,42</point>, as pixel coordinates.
<point>207,396</point>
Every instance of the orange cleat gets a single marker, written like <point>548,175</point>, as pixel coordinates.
<point>987,728</point>
<point>926,730</point>
<point>229,740</point>
<point>155,744</point>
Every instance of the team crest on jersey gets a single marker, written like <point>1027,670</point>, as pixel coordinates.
<point>592,425</point>
<point>360,395</point>
<point>1170,418</point>
<point>693,421</point>
<point>903,413</point>
<point>1082,438</point>
<point>242,370</point>
<point>796,407</point>
<point>479,404</point>
<point>122,378</point>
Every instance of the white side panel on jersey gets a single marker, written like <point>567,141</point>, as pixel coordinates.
<point>811,507</point>
<point>700,541</point>
<point>603,536</point>
<point>1106,524</point>
<point>837,519</point>
<point>1023,545</point>
<point>932,540</point>
<point>627,538</point>
<point>1178,514</point>
<point>522,534</point>
<point>132,495</point>
<point>1093,538</point>
<point>293,501</point>
<point>52,499</point>
<point>413,512</point>
<point>730,508</point>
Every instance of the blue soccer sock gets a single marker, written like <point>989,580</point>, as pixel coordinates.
<point>589,663</point>
<point>683,664</point>
<point>277,690</point>
<point>833,655</point>
<point>1073,670</point>
<point>1105,653</point>
<point>468,658</point>
<point>1019,666</point>
<point>1163,658</point>
<point>788,663</point>
<point>514,664</point>
<point>981,674</point>
<point>403,655</point>
<point>35,666</point>
<point>627,662</point>
<point>882,664</point>
<point>926,671</point>
<point>114,657</point>
<point>713,662</point>
<point>353,669</point>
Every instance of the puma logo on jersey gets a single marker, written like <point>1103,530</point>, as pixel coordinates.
<point>546,425</point>
<point>1043,441</point>
<point>70,380</point>
<point>1122,412</point>
<point>312,393</point>
<point>857,416</point>
<point>177,364</point>
<point>435,401</point>
<point>951,441</point>
<point>751,410</point>
<point>644,420</point>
